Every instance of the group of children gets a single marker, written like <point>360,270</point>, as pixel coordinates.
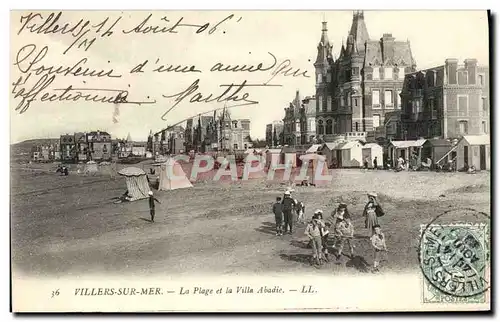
<point>337,228</point>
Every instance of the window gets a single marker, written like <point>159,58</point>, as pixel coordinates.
<point>321,127</point>
<point>388,73</point>
<point>483,104</point>
<point>485,129</point>
<point>433,108</point>
<point>320,78</point>
<point>320,103</point>
<point>463,127</point>
<point>401,73</point>
<point>328,103</point>
<point>329,77</point>
<point>312,125</point>
<point>376,97</point>
<point>342,101</point>
<point>355,71</point>
<point>235,124</point>
<point>105,148</point>
<point>399,98</point>
<point>388,98</point>
<point>481,80</point>
<point>356,126</point>
<point>376,73</point>
<point>356,102</point>
<point>463,102</point>
<point>235,146</point>
<point>329,127</point>
<point>462,78</point>
<point>376,120</point>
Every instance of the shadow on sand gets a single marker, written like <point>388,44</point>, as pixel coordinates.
<point>359,263</point>
<point>146,219</point>
<point>300,244</point>
<point>267,228</point>
<point>299,258</point>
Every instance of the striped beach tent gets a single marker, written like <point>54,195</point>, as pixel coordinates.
<point>137,183</point>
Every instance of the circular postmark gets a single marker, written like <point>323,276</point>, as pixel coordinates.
<point>454,252</point>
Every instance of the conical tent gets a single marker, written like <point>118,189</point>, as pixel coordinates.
<point>91,167</point>
<point>172,176</point>
<point>137,183</point>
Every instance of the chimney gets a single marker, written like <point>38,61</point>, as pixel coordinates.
<point>451,70</point>
<point>387,38</point>
<point>471,67</point>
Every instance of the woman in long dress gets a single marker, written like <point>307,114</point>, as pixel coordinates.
<point>371,213</point>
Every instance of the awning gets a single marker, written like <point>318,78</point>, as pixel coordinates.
<point>314,148</point>
<point>408,144</point>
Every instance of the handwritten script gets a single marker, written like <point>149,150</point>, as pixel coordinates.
<point>80,41</point>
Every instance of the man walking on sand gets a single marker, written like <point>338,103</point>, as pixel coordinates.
<point>288,208</point>
<point>152,200</point>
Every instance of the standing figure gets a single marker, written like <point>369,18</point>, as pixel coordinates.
<point>324,233</point>
<point>375,163</point>
<point>379,246</point>
<point>313,231</point>
<point>344,232</point>
<point>288,208</point>
<point>152,200</point>
<point>301,210</point>
<point>372,211</point>
<point>278,216</point>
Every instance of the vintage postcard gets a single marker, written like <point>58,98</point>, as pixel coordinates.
<point>240,161</point>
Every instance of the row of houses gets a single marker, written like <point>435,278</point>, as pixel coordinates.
<point>86,146</point>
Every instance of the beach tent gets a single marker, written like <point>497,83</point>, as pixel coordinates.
<point>172,176</point>
<point>315,161</point>
<point>137,184</point>
<point>91,167</point>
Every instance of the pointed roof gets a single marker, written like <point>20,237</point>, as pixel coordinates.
<point>297,102</point>
<point>358,31</point>
<point>324,46</point>
<point>129,139</point>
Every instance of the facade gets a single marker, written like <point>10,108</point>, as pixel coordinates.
<point>308,133</point>
<point>446,101</point>
<point>355,91</point>
<point>278,128</point>
<point>99,144</point>
<point>298,125</point>
<point>269,134</point>
<point>68,148</point>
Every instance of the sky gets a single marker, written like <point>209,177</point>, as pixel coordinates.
<point>246,38</point>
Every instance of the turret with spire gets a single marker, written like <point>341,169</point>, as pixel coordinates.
<point>358,35</point>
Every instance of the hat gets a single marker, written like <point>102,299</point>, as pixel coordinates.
<point>372,194</point>
<point>150,193</point>
<point>342,205</point>
<point>318,212</point>
<point>287,193</point>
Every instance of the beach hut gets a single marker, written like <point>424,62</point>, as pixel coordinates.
<point>474,150</point>
<point>137,184</point>
<point>272,156</point>
<point>372,150</point>
<point>171,176</point>
<point>351,154</point>
<point>289,156</point>
<point>329,150</point>
<point>406,149</point>
<point>435,149</point>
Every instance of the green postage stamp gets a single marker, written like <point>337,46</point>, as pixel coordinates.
<point>455,262</point>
